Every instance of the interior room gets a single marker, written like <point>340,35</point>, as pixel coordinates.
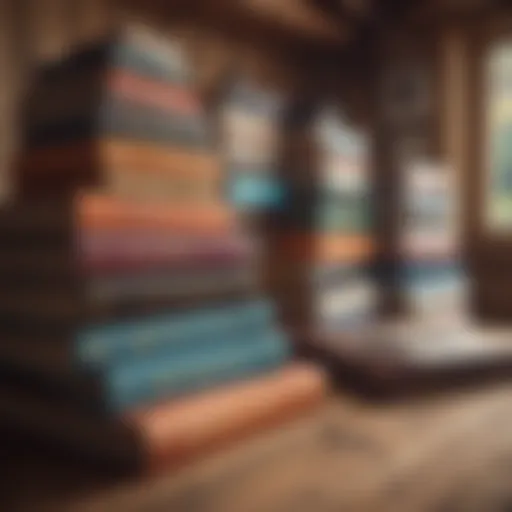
<point>253,255</point>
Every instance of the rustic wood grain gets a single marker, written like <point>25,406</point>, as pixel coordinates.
<point>448,453</point>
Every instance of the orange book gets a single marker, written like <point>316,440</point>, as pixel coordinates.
<point>99,155</point>
<point>324,248</point>
<point>190,428</point>
<point>117,162</point>
<point>170,435</point>
<point>99,212</point>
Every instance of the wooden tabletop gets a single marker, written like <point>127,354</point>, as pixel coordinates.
<point>350,455</point>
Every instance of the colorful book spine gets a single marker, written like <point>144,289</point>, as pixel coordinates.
<point>166,376</point>
<point>38,312</point>
<point>250,134</point>
<point>327,249</point>
<point>186,282</point>
<point>112,153</point>
<point>97,345</point>
<point>431,272</point>
<point>159,61</point>
<point>108,258</point>
<point>96,212</point>
<point>171,433</point>
<point>327,220</point>
<point>81,99</point>
<point>255,190</point>
<point>231,414</point>
<point>124,119</point>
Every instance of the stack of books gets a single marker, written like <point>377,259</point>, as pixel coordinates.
<point>327,228</point>
<point>431,271</point>
<point>251,135</point>
<point>134,330</point>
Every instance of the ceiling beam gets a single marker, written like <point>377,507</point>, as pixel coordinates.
<point>271,21</point>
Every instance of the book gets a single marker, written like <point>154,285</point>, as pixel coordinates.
<point>98,253</point>
<point>249,138</point>
<point>116,165</point>
<point>162,374</point>
<point>254,190</point>
<point>114,153</point>
<point>172,433</point>
<point>325,248</point>
<point>424,270</point>
<point>133,47</point>
<point>64,100</point>
<point>97,345</point>
<point>345,302</point>
<point>70,217</point>
<point>49,310</point>
<point>123,119</point>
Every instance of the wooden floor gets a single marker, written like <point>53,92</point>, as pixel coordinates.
<point>441,454</point>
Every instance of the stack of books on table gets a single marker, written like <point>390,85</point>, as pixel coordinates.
<point>134,330</point>
<point>327,231</point>
<point>431,268</point>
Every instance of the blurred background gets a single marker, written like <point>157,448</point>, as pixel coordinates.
<point>255,255</point>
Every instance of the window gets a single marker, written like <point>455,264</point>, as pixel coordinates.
<point>498,143</point>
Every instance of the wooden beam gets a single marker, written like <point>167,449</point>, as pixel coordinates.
<point>251,20</point>
<point>298,16</point>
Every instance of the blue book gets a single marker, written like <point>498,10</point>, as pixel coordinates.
<point>168,375</point>
<point>98,345</point>
<point>255,190</point>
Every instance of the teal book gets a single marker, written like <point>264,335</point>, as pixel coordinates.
<point>98,346</point>
<point>160,374</point>
<point>255,190</point>
<point>168,375</point>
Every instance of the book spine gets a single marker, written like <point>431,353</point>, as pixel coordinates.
<point>104,212</point>
<point>176,176</point>
<point>119,52</point>
<point>126,289</point>
<point>100,213</point>
<point>154,185</point>
<point>346,301</point>
<point>341,249</point>
<point>111,153</point>
<point>155,65</point>
<point>31,312</point>
<point>98,345</point>
<point>431,270</point>
<point>255,190</point>
<point>184,430</point>
<point>80,100</point>
<point>170,98</point>
<point>175,431</point>
<point>125,119</point>
<point>166,377</point>
<point>140,244</point>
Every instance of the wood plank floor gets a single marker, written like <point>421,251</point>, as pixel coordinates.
<point>439,454</point>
